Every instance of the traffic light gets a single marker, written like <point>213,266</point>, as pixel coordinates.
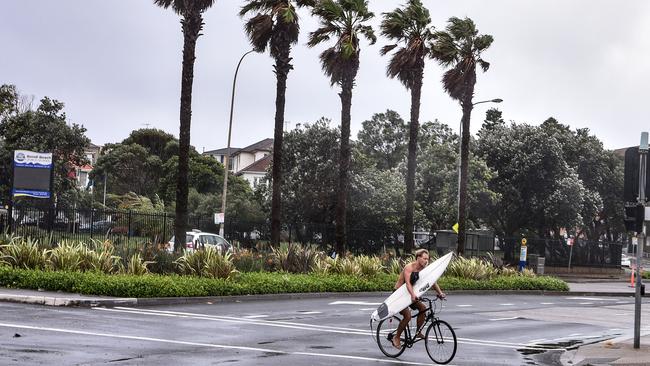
<point>634,216</point>
<point>631,176</point>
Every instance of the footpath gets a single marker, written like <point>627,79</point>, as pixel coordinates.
<point>617,351</point>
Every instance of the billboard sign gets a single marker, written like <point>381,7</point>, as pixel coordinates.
<point>32,174</point>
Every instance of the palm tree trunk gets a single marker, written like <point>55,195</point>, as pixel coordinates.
<point>282,67</point>
<point>416,91</point>
<point>344,161</point>
<point>464,173</point>
<point>192,24</point>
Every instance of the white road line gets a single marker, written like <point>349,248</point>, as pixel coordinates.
<point>547,303</point>
<point>507,304</point>
<point>367,309</point>
<point>586,303</point>
<point>255,316</point>
<point>309,312</point>
<point>464,306</point>
<point>499,319</point>
<point>354,303</point>
<point>241,348</point>
<point>591,298</point>
<point>303,326</point>
<point>533,341</point>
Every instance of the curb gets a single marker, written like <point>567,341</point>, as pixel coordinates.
<point>160,301</point>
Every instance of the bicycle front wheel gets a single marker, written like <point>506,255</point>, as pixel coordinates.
<point>440,342</point>
<point>385,332</point>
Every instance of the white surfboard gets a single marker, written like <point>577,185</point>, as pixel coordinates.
<point>401,298</point>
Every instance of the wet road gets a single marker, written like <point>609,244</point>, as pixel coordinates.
<point>491,330</point>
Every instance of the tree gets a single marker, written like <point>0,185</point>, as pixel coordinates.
<point>129,168</point>
<point>275,26</point>
<point>345,20</point>
<point>381,139</point>
<point>152,139</point>
<point>46,130</point>
<point>191,13</point>
<point>409,26</point>
<point>460,47</point>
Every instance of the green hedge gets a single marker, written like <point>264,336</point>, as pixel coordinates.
<point>244,284</point>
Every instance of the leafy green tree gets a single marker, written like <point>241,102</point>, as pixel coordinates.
<point>8,101</point>
<point>128,168</point>
<point>275,26</point>
<point>344,20</point>
<point>46,130</point>
<point>154,140</point>
<point>382,139</point>
<point>409,26</point>
<point>191,13</point>
<point>460,47</point>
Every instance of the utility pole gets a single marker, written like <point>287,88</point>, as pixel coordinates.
<point>643,156</point>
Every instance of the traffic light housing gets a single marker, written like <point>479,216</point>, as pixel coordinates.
<point>631,176</point>
<point>634,216</point>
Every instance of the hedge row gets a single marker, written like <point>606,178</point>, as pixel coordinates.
<point>244,284</point>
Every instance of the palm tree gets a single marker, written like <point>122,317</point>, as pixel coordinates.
<point>409,26</point>
<point>275,25</point>
<point>191,12</point>
<point>344,21</point>
<point>459,47</point>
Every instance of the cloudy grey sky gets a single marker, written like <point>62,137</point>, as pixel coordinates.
<point>116,65</point>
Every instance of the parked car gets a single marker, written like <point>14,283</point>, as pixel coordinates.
<point>97,226</point>
<point>198,239</point>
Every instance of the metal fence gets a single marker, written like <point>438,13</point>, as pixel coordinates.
<point>54,225</point>
<point>583,253</point>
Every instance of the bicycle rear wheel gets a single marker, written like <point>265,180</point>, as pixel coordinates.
<point>385,332</point>
<point>440,342</point>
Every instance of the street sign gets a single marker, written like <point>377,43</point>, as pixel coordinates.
<point>32,174</point>
<point>218,218</point>
<point>455,227</point>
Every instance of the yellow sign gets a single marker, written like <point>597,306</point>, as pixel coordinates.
<point>455,227</point>
<point>524,241</point>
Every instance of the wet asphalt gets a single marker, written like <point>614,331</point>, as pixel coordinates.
<point>491,330</point>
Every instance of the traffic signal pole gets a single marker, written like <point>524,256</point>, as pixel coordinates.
<point>643,156</point>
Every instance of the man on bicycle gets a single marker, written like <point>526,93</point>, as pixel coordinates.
<point>410,274</point>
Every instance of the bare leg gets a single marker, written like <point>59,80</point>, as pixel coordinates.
<point>421,316</point>
<point>406,318</point>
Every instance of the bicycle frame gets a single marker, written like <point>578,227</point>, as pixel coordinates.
<point>410,340</point>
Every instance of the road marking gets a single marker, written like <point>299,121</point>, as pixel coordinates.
<point>310,327</point>
<point>586,303</point>
<point>499,319</point>
<point>506,304</point>
<point>464,306</point>
<point>547,303</point>
<point>210,345</point>
<point>367,309</point>
<point>309,312</point>
<point>255,316</point>
<point>590,299</point>
<point>354,303</point>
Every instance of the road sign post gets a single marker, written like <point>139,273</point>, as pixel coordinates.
<point>643,156</point>
<point>523,254</point>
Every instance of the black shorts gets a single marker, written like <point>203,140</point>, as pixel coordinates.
<point>414,305</point>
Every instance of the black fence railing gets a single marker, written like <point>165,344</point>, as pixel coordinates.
<point>583,253</point>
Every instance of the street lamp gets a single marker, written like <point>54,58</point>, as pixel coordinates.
<point>461,225</point>
<point>226,160</point>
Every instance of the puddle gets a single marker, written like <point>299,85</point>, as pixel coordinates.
<point>550,347</point>
<point>320,347</point>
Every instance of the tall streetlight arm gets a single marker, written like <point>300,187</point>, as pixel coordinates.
<point>226,160</point>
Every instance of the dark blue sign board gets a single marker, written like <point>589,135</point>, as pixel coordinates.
<point>32,174</point>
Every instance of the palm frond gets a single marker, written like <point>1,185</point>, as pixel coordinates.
<point>259,30</point>
<point>386,49</point>
<point>184,7</point>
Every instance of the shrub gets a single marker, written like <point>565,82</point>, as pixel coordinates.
<point>247,261</point>
<point>136,265</point>
<point>218,265</point>
<point>66,257</point>
<point>293,258</point>
<point>191,263</point>
<point>369,266</point>
<point>27,254</point>
<point>101,258</point>
<point>472,268</point>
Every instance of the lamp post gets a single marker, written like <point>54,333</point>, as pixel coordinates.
<point>226,160</point>
<point>462,216</point>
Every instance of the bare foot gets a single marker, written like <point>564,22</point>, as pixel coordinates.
<point>396,343</point>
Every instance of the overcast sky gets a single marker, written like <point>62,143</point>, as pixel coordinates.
<point>116,65</point>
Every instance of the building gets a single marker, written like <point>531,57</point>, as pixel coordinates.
<point>250,162</point>
<point>82,172</point>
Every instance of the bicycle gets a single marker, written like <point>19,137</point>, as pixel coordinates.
<point>439,339</point>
